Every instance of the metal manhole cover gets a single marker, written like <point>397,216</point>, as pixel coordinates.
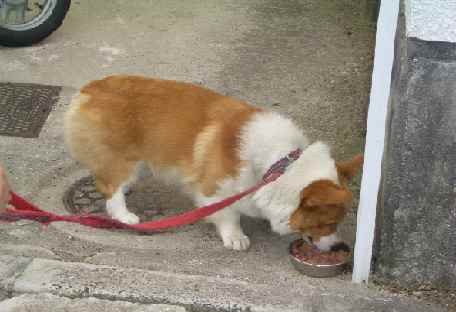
<point>82,198</point>
<point>148,200</point>
<point>24,108</point>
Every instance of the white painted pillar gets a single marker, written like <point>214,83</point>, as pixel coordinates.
<point>376,128</point>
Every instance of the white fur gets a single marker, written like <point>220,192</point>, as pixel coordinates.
<point>326,242</point>
<point>117,208</point>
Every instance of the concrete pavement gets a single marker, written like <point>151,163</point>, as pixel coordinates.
<point>308,59</point>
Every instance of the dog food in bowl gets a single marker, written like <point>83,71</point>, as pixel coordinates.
<point>310,253</point>
<point>316,263</point>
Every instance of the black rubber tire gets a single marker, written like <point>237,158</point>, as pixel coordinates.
<point>12,38</point>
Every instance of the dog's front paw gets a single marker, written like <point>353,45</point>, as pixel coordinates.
<point>127,217</point>
<point>236,241</point>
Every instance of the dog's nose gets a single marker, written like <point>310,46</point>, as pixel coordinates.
<point>340,246</point>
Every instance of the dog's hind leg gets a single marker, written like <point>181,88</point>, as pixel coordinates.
<point>103,151</point>
<point>117,208</point>
<point>112,183</point>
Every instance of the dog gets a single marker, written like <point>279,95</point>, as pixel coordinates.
<point>215,146</point>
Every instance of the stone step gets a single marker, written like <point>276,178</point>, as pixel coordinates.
<point>201,293</point>
<point>48,302</point>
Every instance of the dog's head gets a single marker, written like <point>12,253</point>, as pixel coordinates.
<point>323,205</point>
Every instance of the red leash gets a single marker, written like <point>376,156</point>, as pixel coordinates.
<point>26,210</point>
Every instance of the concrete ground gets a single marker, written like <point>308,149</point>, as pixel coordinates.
<point>307,59</point>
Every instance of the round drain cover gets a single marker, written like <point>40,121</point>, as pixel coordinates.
<point>82,197</point>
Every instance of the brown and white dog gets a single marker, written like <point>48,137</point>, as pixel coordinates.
<point>216,146</point>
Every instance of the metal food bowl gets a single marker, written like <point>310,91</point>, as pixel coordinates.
<point>316,270</point>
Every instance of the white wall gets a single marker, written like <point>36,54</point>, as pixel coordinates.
<point>431,20</point>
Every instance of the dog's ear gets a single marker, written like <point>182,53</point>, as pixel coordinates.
<point>350,168</point>
<point>324,193</point>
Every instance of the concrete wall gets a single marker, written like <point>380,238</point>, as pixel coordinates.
<point>416,241</point>
<point>431,20</point>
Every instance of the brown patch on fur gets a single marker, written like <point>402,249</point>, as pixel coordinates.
<point>347,170</point>
<point>323,206</point>
<point>222,153</point>
<point>125,119</point>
